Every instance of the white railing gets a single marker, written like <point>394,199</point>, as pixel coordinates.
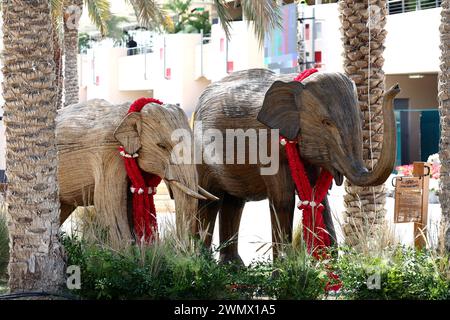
<point>402,6</point>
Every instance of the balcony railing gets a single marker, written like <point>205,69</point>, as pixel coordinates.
<point>401,6</point>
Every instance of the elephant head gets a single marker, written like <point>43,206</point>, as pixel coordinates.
<point>149,133</point>
<point>323,114</point>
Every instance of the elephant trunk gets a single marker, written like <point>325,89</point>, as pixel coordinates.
<point>356,171</point>
<point>183,184</point>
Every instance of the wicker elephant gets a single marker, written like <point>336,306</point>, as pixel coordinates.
<point>91,170</point>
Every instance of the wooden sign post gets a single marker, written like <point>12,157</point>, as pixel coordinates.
<point>411,201</point>
<point>423,170</point>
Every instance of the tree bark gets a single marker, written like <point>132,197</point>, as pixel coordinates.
<point>363,62</point>
<point>36,261</point>
<point>72,13</point>
<point>58,55</point>
<point>444,109</point>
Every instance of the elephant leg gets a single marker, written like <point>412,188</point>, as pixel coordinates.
<point>282,219</point>
<point>229,221</point>
<point>111,205</point>
<point>207,215</point>
<point>328,219</point>
<point>281,194</point>
<point>66,211</point>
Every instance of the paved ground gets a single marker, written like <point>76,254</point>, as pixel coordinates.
<point>255,230</point>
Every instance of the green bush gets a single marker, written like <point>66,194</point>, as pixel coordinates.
<point>159,271</point>
<point>166,270</point>
<point>4,245</point>
<point>401,273</point>
<point>297,275</point>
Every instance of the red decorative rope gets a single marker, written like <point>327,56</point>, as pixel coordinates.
<point>143,187</point>
<point>315,233</point>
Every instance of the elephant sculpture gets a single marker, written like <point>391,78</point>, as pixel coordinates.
<point>321,112</point>
<point>91,171</point>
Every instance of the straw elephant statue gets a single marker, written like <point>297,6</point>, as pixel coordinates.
<point>321,113</point>
<point>91,171</point>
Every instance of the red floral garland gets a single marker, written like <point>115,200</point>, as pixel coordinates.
<point>143,187</point>
<point>315,233</point>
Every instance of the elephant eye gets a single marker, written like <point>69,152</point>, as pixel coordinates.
<point>161,145</point>
<point>327,123</point>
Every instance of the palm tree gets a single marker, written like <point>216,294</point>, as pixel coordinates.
<point>99,12</point>
<point>30,109</point>
<point>147,12</point>
<point>444,109</point>
<point>363,62</point>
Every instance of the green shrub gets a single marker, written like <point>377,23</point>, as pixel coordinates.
<point>4,245</point>
<point>170,269</point>
<point>401,273</point>
<point>159,271</point>
<point>297,275</point>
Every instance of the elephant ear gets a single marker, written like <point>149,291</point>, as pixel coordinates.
<point>280,108</point>
<point>128,132</point>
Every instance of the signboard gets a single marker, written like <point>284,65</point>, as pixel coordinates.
<point>411,201</point>
<point>408,199</point>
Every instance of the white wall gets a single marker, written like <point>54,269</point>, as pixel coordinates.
<point>412,42</point>
<point>110,74</point>
<point>243,50</point>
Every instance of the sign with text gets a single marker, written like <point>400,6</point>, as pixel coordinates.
<point>408,199</point>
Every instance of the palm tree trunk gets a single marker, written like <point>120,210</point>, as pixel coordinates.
<point>58,55</point>
<point>72,13</point>
<point>363,62</point>
<point>31,164</point>
<point>444,109</point>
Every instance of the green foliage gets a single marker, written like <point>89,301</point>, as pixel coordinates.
<point>115,32</point>
<point>187,22</point>
<point>83,42</point>
<point>403,273</point>
<point>166,270</point>
<point>99,12</point>
<point>4,245</point>
<point>159,271</point>
<point>297,276</point>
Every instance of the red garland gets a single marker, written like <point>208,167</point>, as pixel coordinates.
<point>315,233</point>
<point>143,187</point>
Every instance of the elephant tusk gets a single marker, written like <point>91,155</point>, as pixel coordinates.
<point>208,195</point>
<point>186,190</point>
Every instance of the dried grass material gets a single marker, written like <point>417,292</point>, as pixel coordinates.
<point>91,171</point>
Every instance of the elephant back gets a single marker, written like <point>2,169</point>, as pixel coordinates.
<point>88,124</point>
<point>237,96</point>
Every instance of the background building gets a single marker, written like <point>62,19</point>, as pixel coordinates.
<point>176,68</point>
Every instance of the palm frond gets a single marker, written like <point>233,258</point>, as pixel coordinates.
<point>99,13</point>
<point>148,13</point>
<point>56,7</point>
<point>265,15</point>
<point>224,16</point>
